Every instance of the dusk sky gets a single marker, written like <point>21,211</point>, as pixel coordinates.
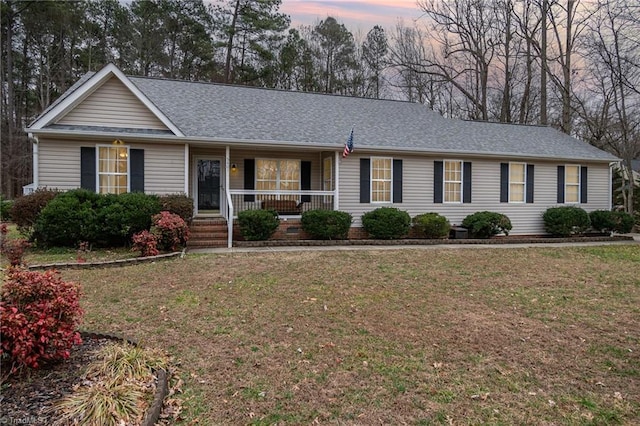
<point>357,15</point>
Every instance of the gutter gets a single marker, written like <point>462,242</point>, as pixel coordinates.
<point>265,143</point>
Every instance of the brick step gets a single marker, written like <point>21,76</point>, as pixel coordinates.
<point>208,228</point>
<point>209,221</point>
<point>208,236</point>
<point>207,243</point>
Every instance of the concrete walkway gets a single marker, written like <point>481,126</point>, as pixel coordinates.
<point>636,241</point>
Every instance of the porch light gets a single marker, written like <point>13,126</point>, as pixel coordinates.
<point>118,142</point>
<point>234,168</point>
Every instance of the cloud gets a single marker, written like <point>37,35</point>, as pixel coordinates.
<point>355,14</point>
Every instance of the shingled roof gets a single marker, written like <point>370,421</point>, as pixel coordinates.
<point>226,113</point>
<point>208,110</point>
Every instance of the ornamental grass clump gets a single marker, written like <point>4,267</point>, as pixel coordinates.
<point>117,387</point>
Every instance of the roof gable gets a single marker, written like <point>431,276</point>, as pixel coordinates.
<point>108,99</point>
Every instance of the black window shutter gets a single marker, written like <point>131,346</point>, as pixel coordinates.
<point>530,175</point>
<point>504,182</point>
<point>583,184</point>
<point>466,182</point>
<point>397,181</point>
<point>438,170</point>
<point>249,177</point>
<point>365,180</point>
<point>136,162</point>
<point>88,168</point>
<point>560,185</point>
<point>305,180</point>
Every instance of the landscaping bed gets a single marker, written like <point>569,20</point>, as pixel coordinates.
<point>514,239</point>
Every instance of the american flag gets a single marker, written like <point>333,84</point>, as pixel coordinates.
<point>348,147</point>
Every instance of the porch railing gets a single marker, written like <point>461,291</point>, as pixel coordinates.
<point>285,203</point>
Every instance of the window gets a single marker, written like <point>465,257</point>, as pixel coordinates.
<point>278,175</point>
<point>452,181</point>
<point>572,184</point>
<point>113,166</point>
<point>517,182</point>
<point>381,180</point>
<point>327,174</point>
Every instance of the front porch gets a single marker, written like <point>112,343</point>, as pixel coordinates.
<point>219,228</point>
<point>224,183</point>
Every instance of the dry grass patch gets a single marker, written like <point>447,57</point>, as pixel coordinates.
<point>499,336</point>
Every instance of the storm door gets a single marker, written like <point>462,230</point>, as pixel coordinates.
<point>208,186</point>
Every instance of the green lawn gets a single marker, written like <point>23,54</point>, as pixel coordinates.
<point>493,336</point>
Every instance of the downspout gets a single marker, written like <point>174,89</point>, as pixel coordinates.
<point>336,190</point>
<point>186,169</point>
<point>610,186</point>
<point>36,171</point>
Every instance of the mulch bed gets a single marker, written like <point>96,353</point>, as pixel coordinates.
<point>27,398</point>
<point>515,239</point>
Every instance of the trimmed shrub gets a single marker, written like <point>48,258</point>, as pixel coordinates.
<point>39,314</point>
<point>146,243</point>
<point>608,221</point>
<point>5,209</point>
<point>180,204</point>
<point>565,221</point>
<point>101,219</point>
<point>26,209</point>
<point>258,225</point>
<point>326,224</point>
<point>486,224</point>
<point>386,223</point>
<point>171,231</point>
<point>431,225</point>
<point>69,218</point>
<point>121,216</point>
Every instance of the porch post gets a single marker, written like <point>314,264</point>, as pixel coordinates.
<point>336,190</point>
<point>229,202</point>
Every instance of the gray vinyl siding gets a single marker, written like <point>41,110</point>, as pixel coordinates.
<point>59,165</point>
<point>163,168</point>
<point>112,105</point>
<point>418,191</point>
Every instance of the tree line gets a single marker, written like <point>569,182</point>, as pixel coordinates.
<point>571,64</point>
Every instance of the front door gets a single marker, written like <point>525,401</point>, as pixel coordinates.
<point>208,186</point>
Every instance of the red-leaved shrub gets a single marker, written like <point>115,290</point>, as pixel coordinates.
<point>12,249</point>
<point>146,243</point>
<point>172,231</point>
<point>39,313</point>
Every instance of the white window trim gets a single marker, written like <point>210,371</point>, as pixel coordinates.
<point>113,174</point>
<point>523,183</point>
<point>371,181</point>
<point>567,184</point>
<point>278,173</point>
<point>444,181</point>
